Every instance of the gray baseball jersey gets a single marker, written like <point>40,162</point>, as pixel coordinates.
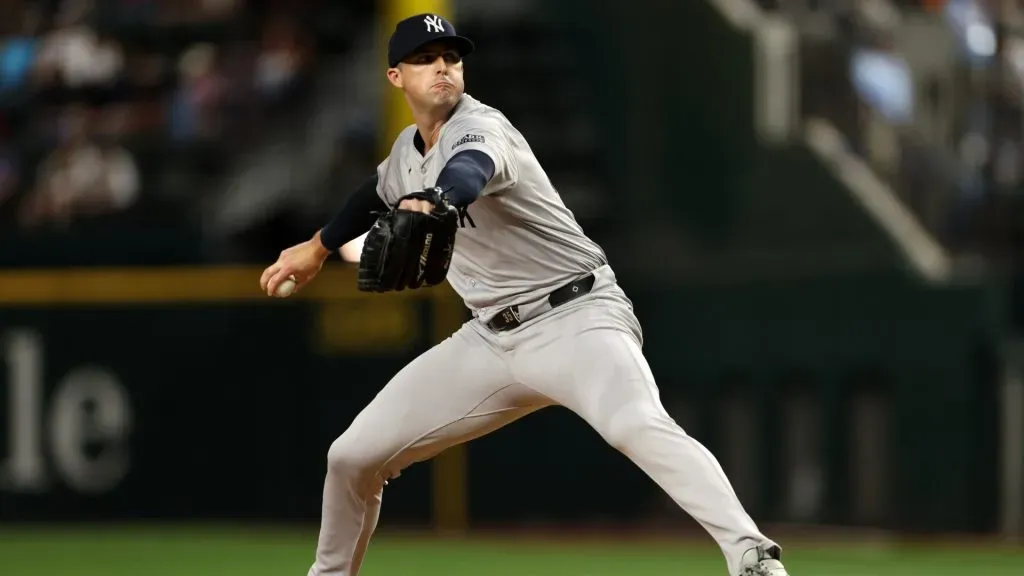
<point>583,354</point>
<point>525,242</point>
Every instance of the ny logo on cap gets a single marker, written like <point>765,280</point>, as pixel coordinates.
<point>434,24</point>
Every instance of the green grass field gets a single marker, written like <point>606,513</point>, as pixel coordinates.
<point>226,552</point>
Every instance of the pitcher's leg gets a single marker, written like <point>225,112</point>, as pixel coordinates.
<point>454,392</point>
<point>606,380</point>
<point>370,517</point>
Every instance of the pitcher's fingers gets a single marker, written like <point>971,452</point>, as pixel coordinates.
<point>268,273</point>
<point>281,275</point>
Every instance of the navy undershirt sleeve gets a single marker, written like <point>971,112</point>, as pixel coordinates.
<point>355,218</point>
<point>465,175</point>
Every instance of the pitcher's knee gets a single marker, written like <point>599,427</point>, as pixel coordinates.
<point>354,464</point>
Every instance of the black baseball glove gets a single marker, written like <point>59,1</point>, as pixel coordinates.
<point>407,249</point>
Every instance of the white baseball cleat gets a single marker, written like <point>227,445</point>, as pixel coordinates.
<point>762,561</point>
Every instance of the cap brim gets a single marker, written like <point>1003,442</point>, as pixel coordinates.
<point>464,45</point>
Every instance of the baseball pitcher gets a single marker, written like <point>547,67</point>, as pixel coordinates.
<point>461,197</point>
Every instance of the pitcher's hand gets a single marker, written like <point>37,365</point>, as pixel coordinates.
<point>302,261</point>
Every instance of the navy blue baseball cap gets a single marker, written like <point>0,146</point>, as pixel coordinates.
<point>413,32</point>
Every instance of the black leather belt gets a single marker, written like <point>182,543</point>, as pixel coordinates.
<point>508,318</point>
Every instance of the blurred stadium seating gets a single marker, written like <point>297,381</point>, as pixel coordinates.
<point>122,119</point>
<point>928,92</point>
<point>226,129</point>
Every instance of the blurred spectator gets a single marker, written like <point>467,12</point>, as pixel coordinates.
<point>73,55</point>
<point>18,53</point>
<point>81,177</point>
<point>197,100</point>
<point>281,59</point>
<point>882,79</point>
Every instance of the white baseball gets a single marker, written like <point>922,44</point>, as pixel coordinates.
<point>286,287</point>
